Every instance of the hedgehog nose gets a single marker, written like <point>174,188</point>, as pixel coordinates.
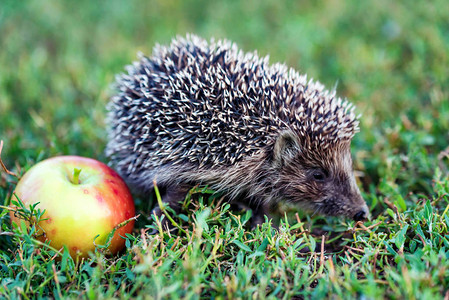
<point>361,215</point>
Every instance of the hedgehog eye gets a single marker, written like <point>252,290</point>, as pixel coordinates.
<point>319,175</point>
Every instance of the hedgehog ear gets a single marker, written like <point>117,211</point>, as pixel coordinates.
<point>285,148</point>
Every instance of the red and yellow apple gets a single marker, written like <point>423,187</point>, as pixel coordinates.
<point>82,198</point>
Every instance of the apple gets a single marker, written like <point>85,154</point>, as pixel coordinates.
<point>82,198</point>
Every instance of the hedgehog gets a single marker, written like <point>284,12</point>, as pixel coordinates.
<point>206,113</point>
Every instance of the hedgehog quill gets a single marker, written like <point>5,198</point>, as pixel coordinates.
<point>199,112</point>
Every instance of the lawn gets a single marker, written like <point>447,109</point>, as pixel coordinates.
<point>59,58</point>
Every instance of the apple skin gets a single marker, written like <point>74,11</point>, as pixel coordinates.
<point>77,213</point>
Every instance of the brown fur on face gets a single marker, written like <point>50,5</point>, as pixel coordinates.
<point>320,180</point>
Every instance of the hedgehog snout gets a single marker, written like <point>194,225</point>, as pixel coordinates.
<point>362,215</point>
<point>359,210</point>
<point>351,202</point>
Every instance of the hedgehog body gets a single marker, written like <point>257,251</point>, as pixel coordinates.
<point>199,112</point>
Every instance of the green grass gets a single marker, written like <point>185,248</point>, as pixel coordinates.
<point>391,59</point>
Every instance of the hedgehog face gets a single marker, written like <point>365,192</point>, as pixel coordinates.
<point>319,180</point>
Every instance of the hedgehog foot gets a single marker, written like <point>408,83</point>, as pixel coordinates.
<point>173,198</point>
<point>259,213</point>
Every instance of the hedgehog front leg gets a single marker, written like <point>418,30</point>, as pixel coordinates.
<point>259,210</point>
<point>173,197</point>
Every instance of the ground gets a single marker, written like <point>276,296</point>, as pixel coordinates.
<point>390,59</point>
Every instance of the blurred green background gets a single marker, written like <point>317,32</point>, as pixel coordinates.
<point>59,58</point>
